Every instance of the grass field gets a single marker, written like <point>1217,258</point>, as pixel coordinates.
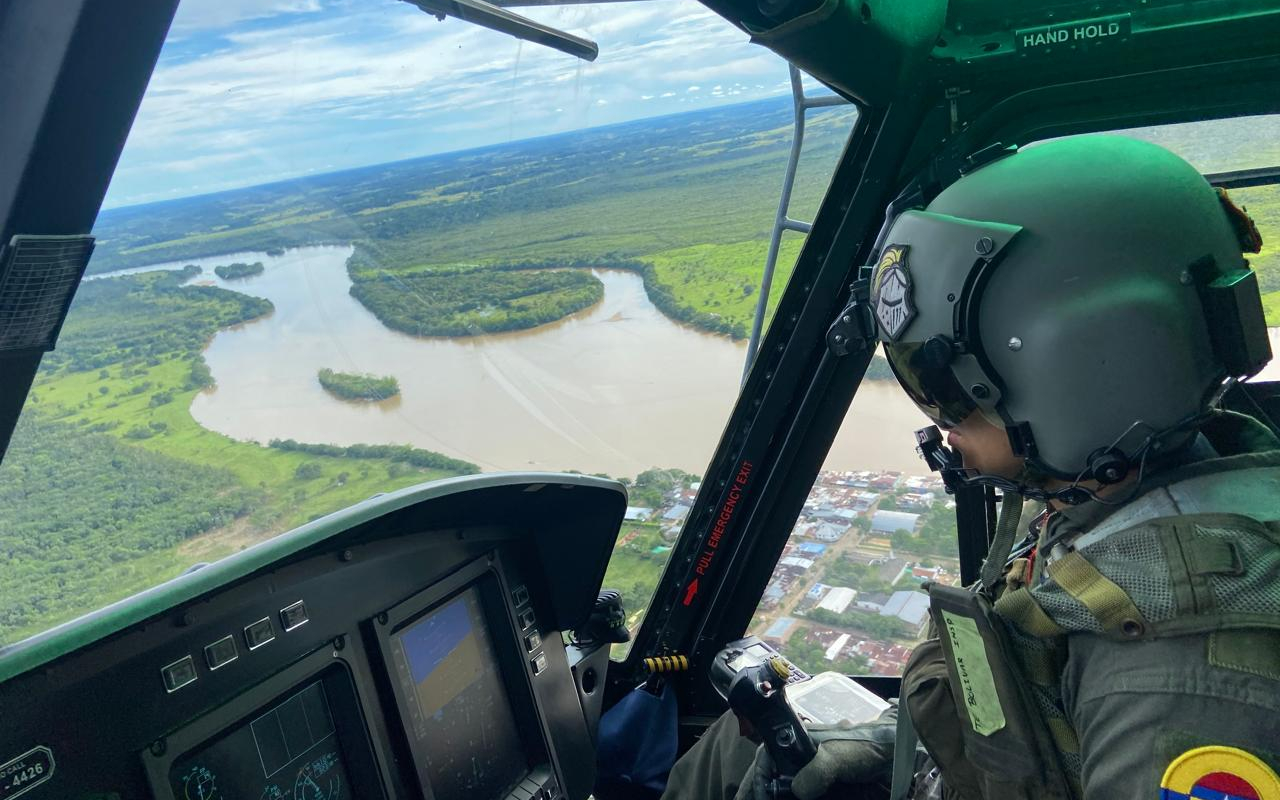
<point>1263,205</point>
<point>76,396</point>
<point>68,574</point>
<point>725,278</point>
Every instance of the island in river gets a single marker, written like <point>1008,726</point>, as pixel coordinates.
<point>238,270</point>
<point>358,385</point>
<point>471,302</point>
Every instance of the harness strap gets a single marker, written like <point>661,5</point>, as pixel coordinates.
<point>1064,736</point>
<point>1019,607</point>
<point>1106,601</point>
<point>1002,544</point>
<point>904,755</point>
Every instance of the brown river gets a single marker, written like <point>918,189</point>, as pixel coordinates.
<point>617,388</point>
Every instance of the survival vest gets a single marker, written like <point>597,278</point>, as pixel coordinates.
<point>1197,551</point>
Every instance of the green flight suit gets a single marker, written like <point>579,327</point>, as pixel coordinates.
<point>1153,632</point>
<point>1149,630</point>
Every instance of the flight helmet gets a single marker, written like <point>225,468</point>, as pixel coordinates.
<point>1089,295</point>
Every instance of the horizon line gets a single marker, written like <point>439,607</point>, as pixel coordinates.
<point>481,148</point>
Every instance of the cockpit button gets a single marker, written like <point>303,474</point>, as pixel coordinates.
<point>520,596</point>
<point>539,663</point>
<point>293,616</point>
<point>532,642</point>
<point>259,633</point>
<point>179,674</point>
<point>221,652</point>
<point>526,619</point>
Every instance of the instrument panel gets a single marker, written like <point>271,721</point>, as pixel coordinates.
<point>411,649</point>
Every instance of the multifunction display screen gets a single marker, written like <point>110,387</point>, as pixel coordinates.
<point>463,732</point>
<point>288,752</point>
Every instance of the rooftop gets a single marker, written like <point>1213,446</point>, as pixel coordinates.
<point>911,607</point>
<point>892,521</point>
<point>780,627</point>
<point>838,599</point>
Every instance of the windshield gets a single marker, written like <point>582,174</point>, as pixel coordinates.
<point>350,248</point>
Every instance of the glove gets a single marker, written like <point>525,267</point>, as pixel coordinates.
<point>860,753</point>
<point>847,753</point>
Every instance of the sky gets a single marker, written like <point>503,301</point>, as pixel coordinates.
<point>253,91</point>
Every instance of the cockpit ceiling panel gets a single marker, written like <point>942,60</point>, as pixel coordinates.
<point>876,51</point>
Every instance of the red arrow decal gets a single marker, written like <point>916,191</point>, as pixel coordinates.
<point>690,591</point>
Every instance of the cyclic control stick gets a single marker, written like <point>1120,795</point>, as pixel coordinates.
<point>758,696</point>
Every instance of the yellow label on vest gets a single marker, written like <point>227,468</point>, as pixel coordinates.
<point>977,686</point>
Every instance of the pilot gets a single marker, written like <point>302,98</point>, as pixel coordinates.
<point>1070,314</point>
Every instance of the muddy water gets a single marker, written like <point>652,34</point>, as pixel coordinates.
<point>617,388</point>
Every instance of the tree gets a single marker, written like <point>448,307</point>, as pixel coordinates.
<point>308,470</point>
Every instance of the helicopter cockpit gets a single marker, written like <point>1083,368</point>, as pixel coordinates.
<point>227,574</point>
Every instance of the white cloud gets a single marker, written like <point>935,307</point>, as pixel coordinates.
<point>287,86</point>
<point>194,15</point>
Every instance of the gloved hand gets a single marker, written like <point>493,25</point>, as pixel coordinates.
<point>847,753</point>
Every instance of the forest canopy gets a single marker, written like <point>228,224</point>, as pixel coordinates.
<point>70,527</point>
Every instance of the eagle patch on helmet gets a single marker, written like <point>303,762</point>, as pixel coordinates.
<point>892,292</point>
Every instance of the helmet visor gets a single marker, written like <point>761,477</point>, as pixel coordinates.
<point>934,389</point>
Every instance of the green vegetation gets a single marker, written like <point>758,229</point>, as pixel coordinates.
<point>626,190</point>
<point>869,622</point>
<point>811,657</point>
<point>135,320</point>
<point>358,386</point>
<point>230,272</point>
<point>308,471</point>
<point>78,531</point>
<point>1263,205</point>
<point>641,554</point>
<point>636,566</point>
<point>936,535</point>
<point>472,302</point>
<point>863,577</point>
<point>110,485</point>
<point>714,286</point>
<point>395,453</point>
<point>687,201</point>
<point>650,487</point>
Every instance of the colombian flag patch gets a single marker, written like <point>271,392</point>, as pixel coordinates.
<point>1219,773</point>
